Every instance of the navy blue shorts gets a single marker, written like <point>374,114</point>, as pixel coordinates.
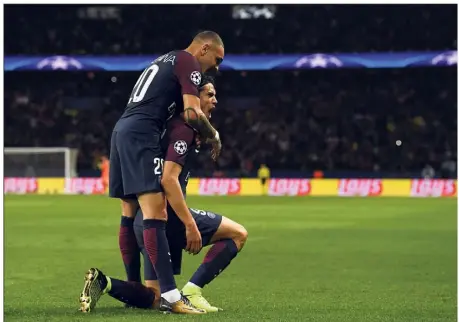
<point>207,222</point>
<point>136,165</point>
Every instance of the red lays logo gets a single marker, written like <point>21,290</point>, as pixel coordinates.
<point>433,188</point>
<point>20,185</point>
<point>219,186</point>
<point>289,187</point>
<point>360,187</point>
<point>86,186</point>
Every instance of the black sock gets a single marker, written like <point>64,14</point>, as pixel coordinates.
<point>216,260</point>
<point>157,247</point>
<point>132,293</point>
<point>129,249</point>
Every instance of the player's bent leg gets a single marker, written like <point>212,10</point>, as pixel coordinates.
<point>133,294</point>
<point>228,240</point>
<point>230,229</point>
<point>130,252</point>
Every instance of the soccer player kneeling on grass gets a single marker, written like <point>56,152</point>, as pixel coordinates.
<point>226,236</point>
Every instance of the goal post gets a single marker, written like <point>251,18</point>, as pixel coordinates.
<point>55,162</point>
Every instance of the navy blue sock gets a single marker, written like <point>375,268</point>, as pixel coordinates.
<point>130,251</point>
<point>217,259</point>
<point>157,247</point>
<point>132,293</point>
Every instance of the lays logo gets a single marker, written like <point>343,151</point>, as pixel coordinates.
<point>360,187</point>
<point>219,186</point>
<point>289,187</point>
<point>433,188</point>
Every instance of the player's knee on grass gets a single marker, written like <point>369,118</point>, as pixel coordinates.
<point>153,205</point>
<point>129,207</point>
<point>230,229</point>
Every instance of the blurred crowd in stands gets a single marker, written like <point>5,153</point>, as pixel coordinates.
<point>329,120</point>
<point>385,122</point>
<point>147,29</point>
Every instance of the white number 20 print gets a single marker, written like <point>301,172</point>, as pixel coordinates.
<point>144,81</point>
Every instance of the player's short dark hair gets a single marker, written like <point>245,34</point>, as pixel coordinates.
<point>206,79</point>
<point>209,35</point>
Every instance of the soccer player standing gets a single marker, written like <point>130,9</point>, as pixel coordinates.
<point>168,87</point>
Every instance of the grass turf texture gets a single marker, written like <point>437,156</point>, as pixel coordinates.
<point>323,259</point>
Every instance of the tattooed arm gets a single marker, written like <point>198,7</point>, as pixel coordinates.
<point>195,117</point>
<point>187,71</point>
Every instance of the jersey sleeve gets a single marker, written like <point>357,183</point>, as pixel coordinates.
<point>181,141</point>
<point>188,73</point>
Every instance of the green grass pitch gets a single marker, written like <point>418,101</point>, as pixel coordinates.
<point>306,259</point>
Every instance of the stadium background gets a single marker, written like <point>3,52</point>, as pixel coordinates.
<point>320,93</point>
<point>316,106</point>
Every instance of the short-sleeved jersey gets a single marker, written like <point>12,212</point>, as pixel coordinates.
<point>180,147</point>
<point>157,94</point>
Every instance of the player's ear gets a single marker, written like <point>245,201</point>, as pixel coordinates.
<point>205,49</point>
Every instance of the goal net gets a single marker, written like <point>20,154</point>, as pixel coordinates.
<point>40,162</point>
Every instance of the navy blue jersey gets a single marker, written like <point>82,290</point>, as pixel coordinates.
<point>157,94</point>
<point>180,147</point>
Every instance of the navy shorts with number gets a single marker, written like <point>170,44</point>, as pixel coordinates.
<point>135,164</point>
<point>207,222</point>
